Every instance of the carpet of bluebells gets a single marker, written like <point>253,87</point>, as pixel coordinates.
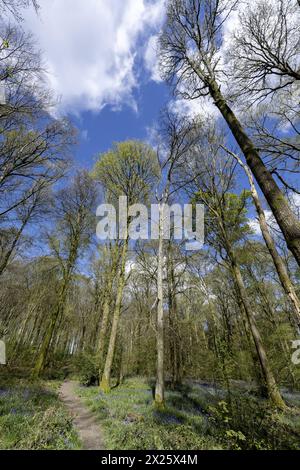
<point>130,421</point>
<point>197,416</point>
<point>32,417</point>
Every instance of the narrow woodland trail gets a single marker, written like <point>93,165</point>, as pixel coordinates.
<point>85,423</point>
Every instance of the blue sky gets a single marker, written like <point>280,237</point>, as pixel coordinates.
<point>102,63</point>
<point>100,57</point>
<point>97,131</point>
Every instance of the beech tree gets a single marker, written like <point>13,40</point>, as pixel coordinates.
<point>34,146</point>
<point>190,60</point>
<point>34,207</point>
<point>226,226</point>
<point>277,259</point>
<point>178,137</point>
<point>265,49</point>
<point>129,170</point>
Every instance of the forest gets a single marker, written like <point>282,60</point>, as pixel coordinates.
<point>161,346</point>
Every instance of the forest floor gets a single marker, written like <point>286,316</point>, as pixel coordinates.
<point>130,421</point>
<point>33,417</point>
<point>198,416</point>
<point>84,420</point>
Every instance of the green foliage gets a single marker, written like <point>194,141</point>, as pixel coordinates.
<point>231,209</point>
<point>87,369</point>
<point>32,417</point>
<point>244,422</point>
<point>129,169</point>
<point>130,421</point>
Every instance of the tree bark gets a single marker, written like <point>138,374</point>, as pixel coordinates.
<point>160,327</point>
<point>272,389</point>
<point>105,316</point>
<point>105,385</point>
<point>278,262</point>
<point>174,336</point>
<point>43,353</point>
<point>57,313</point>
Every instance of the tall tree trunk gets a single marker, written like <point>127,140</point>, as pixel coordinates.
<point>174,336</point>
<point>120,376</point>
<point>58,311</point>
<point>160,327</point>
<point>257,370</point>
<point>273,391</point>
<point>8,254</point>
<point>43,353</point>
<point>105,315</point>
<point>285,217</point>
<point>278,261</point>
<point>106,376</point>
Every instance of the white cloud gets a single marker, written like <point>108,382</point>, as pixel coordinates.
<point>294,200</point>
<point>254,223</point>
<point>151,58</point>
<point>90,47</point>
<point>202,107</point>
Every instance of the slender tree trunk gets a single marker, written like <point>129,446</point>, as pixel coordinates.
<point>160,327</point>
<point>120,376</point>
<point>82,339</point>
<point>273,391</point>
<point>8,254</point>
<point>273,318</point>
<point>105,316</point>
<point>278,261</point>
<point>285,217</point>
<point>174,336</point>
<point>257,370</point>
<point>57,313</point>
<point>105,381</point>
<point>43,353</point>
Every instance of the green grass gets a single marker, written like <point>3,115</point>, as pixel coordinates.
<point>196,417</point>
<point>131,422</point>
<point>32,417</point>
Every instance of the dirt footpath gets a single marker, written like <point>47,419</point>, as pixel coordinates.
<point>85,422</point>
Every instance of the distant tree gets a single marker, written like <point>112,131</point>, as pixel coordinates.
<point>74,218</point>
<point>130,170</point>
<point>178,135</point>
<point>111,264</point>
